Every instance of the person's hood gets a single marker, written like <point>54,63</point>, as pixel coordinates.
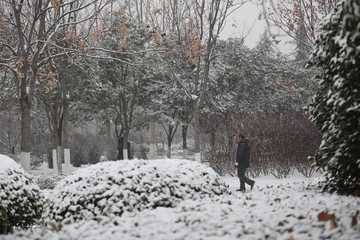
<point>245,140</point>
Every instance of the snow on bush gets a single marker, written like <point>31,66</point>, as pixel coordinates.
<point>284,212</point>
<point>112,188</point>
<point>48,180</point>
<point>336,106</point>
<point>20,198</point>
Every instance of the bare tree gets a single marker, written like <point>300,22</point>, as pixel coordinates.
<point>298,19</point>
<point>9,130</point>
<point>190,29</point>
<point>208,18</point>
<point>31,44</point>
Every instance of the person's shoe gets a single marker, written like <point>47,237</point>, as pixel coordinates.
<point>240,190</point>
<point>252,185</point>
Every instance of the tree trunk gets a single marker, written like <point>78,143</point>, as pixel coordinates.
<point>25,144</point>
<point>55,162</point>
<point>212,138</point>
<point>66,134</point>
<point>184,137</point>
<point>213,150</point>
<point>59,158</point>
<point>125,145</point>
<point>59,148</point>
<point>169,148</point>
<point>197,132</point>
<point>152,133</point>
<point>170,133</point>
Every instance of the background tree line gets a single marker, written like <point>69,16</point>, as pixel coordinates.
<point>136,62</point>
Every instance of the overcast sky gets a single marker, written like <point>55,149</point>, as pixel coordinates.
<point>245,19</point>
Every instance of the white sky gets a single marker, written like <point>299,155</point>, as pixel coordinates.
<point>245,21</point>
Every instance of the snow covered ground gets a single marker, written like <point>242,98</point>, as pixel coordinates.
<point>285,209</point>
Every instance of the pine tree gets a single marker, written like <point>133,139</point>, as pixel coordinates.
<point>336,106</point>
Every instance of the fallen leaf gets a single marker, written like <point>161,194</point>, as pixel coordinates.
<point>333,225</point>
<point>277,200</point>
<point>290,238</point>
<point>354,219</point>
<point>324,216</point>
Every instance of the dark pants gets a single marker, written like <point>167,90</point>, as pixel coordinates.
<point>243,178</point>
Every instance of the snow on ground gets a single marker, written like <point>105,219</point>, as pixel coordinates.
<point>285,209</point>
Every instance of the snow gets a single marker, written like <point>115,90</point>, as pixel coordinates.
<point>112,188</point>
<point>282,209</point>
<point>7,163</point>
<point>20,201</point>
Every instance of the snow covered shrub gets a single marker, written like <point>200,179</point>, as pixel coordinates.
<point>20,198</point>
<point>48,180</point>
<point>111,188</point>
<point>336,106</point>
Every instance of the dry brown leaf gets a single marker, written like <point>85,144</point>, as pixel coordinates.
<point>51,42</point>
<point>277,200</point>
<point>20,75</point>
<point>55,3</point>
<point>82,43</point>
<point>325,216</point>
<point>354,219</point>
<point>333,225</point>
<point>122,29</point>
<point>290,238</point>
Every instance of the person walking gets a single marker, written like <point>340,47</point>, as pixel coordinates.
<point>243,162</point>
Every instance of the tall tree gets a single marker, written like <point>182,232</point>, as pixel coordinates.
<point>336,109</point>
<point>191,29</point>
<point>298,19</point>
<point>30,45</point>
<point>121,78</point>
<point>210,18</point>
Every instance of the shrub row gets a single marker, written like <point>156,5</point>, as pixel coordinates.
<point>107,189</point>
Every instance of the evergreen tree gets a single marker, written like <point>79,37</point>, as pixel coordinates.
<point>336,106</point>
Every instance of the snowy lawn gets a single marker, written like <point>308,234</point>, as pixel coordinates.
<point>287,209</point>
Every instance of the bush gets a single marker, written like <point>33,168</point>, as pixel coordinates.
<point>20,198</point>
<point>111,188</point>
<point>48,180</point>
<point>336,109</point>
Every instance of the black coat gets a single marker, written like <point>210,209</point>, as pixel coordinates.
<point>243,154</point>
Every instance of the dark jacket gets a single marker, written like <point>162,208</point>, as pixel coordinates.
<point>243,154</point>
